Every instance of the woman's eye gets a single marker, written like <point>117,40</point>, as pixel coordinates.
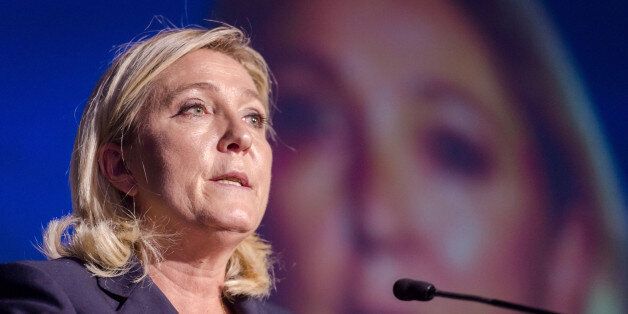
<point>255,119</point>
<point>195,110</point>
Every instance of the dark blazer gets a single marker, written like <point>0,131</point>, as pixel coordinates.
<point>65,286</point>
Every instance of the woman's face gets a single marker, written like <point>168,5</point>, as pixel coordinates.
<point>409,160</point>
<point>201,157</point>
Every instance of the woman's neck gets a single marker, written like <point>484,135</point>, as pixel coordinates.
<point>189,288</point>
<point>192,272</point>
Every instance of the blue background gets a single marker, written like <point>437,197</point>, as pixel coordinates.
<point>54,52</point>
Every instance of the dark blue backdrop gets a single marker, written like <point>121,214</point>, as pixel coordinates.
<point>53,53</point>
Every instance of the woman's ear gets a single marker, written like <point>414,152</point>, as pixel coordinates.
<point>113,167</point>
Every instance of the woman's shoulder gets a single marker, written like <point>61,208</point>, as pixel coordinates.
<point>65,285</point>
<point>45,286</point>
<point>62,270</point>
<point>68,274</point>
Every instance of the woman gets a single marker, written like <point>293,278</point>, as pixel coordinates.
<point>170,177</point>
<point>440,140</point>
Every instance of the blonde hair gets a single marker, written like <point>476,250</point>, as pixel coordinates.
<point>103,229</point>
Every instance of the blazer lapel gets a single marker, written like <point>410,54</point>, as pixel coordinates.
<point>145,296</point>
<point>135,297</point>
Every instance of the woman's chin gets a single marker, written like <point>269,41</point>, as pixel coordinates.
<point>237,222</point>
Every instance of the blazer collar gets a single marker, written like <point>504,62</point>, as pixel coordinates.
<point>136,297</point>
<point>124,284</point>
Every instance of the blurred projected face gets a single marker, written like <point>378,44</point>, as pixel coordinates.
<point>409,161</point>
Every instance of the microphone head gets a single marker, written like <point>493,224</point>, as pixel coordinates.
<point>408,290</point>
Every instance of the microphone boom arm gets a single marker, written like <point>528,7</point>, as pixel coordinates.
<point>495,302</point>
<point>409,290</point>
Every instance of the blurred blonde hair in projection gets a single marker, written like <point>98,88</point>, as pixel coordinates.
<point>449,141</point>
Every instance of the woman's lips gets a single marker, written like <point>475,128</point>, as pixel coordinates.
<point>234,178</point>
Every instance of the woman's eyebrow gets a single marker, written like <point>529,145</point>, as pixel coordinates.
<point>252,94</point>
<point>247,92</point>
<point>199,85</point>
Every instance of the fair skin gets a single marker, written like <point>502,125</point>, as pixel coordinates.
<point>200,171</point>
<point>413,158</point>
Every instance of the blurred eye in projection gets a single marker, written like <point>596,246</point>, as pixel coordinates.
<point>459,131</point>
<point>457,154</point>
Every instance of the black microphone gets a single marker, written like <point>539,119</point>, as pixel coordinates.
<point>414,290</point>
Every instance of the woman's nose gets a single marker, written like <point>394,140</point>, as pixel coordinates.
<point>237,138</point>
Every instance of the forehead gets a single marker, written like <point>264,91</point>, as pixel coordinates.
<point>395,46</point>
<point>206,66</point>
<point>421,36</point>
